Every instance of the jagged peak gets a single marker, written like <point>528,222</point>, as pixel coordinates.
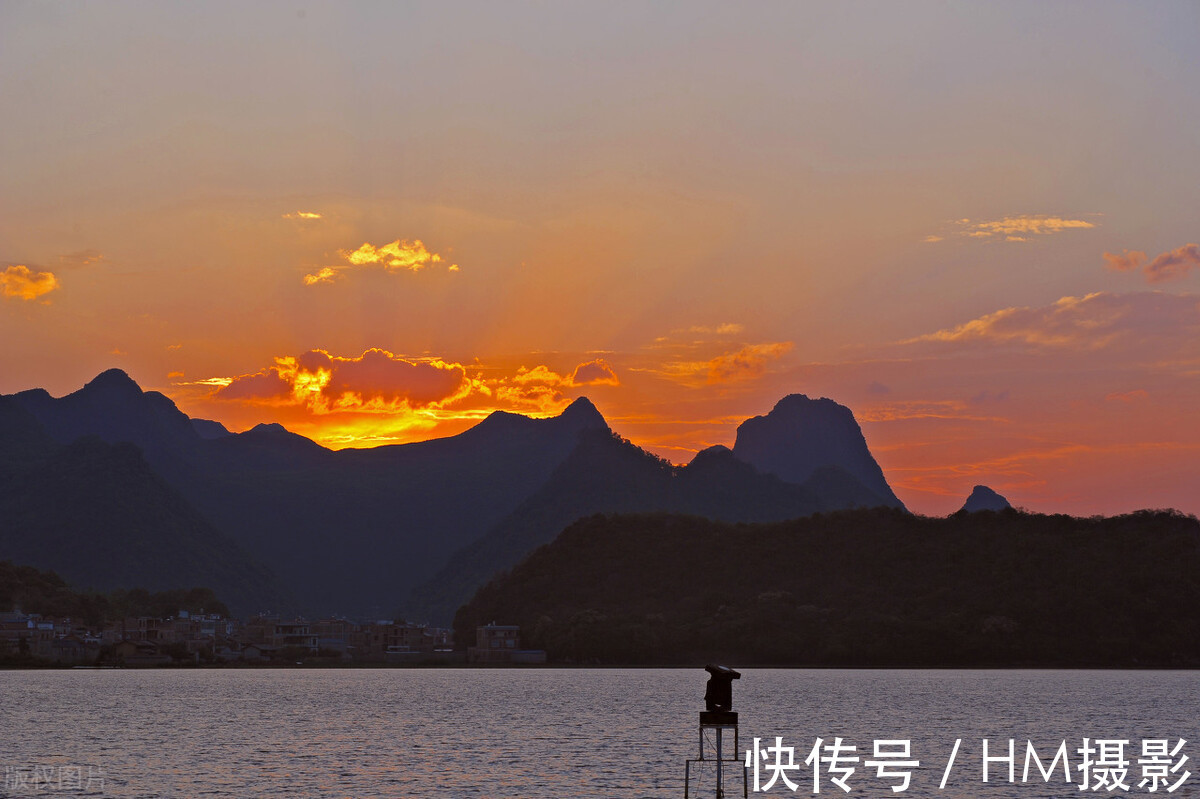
<point>801,434</point>
<point>984,498</point>
<point>802,402</point>
<point>583,412</point>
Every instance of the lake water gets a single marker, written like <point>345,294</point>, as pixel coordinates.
<point>554,733</point>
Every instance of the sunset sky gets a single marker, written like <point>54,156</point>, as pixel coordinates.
<point>975,224</point>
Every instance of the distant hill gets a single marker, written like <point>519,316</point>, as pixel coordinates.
<point>607,474</point>
<point>97,514</point>
<point>860,588</point>
<point>983,498</point>
<point>44,592</point>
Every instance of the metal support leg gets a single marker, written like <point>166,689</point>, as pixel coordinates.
<point>720,767</point>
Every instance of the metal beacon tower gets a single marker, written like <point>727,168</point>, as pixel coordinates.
<point>718,722</point>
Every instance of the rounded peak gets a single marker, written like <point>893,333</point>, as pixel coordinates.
<point>715,452</point>
<point>113,380</point>
<point>717,458</point>
<point>32,394</point>
<point>269,428</point>
<point>501,420</point>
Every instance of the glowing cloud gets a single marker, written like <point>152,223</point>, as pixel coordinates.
<point>303,215</point>
<point>726,329</point>
<point>326,274</point>
<point>748,362</point>
<point>1017,228</point>
<point>540,374</point>
<point>594,373</point>
<point>379,396</point>
<point>1166,266</point>
<point>399,254</point>
<point>23,283</point>
<point>376,381</point>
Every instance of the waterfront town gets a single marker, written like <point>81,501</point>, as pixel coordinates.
<point>211,639</point>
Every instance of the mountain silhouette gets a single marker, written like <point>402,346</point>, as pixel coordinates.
<point>801,435</point>
<point>607,474</point>
<point>113,407</point>
<point>98,515</point>
<point>351,531</point>
<point>355,531</point>
<point>984,498</point>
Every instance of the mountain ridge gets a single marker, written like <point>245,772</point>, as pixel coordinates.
<point>356,530</point>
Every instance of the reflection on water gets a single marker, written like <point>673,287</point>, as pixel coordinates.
<point>552,733</point>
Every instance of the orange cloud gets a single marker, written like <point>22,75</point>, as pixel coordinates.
<point>1128,396</point>
<point>376,381</point>
<point>418,392</point>
<point>303,215</point>
<point>1016,228</point>
<point>726,329</point>
<point>399,254</point>
<point>1173,264</point>
<point>539,389</point>
<point>1093,322</point>
<point>750,361</point>
<point>540,374</point>
<point>1165,266</point>
<point>747,362</point>
<point>1127,261</point>
<point>535,397</point>
<point>23,283</point>
<point>594,373</point>
<point>327,274</point>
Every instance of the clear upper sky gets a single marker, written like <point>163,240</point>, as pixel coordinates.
<point>975,224</point>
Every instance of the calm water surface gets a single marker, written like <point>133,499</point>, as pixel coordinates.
<point>550,733</point>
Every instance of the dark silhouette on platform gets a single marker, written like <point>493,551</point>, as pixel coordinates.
<point>717,724</point>
<point>718,694</point>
